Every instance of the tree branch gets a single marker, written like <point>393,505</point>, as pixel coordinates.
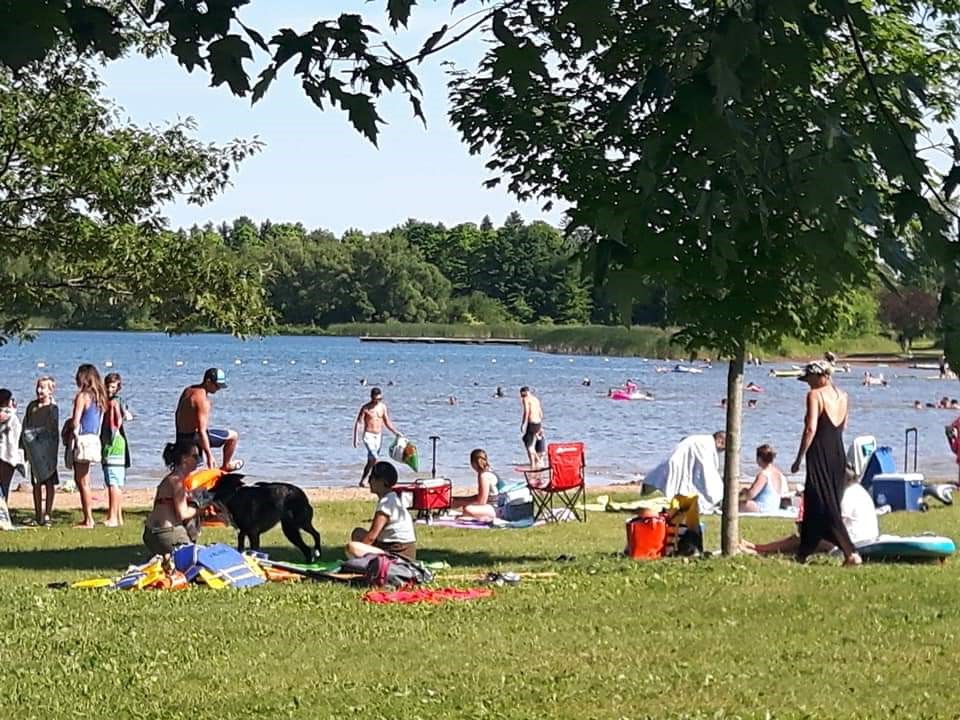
<point>139,13</point>
<point>885,112</point>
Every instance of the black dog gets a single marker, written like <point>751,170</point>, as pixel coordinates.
<point>254,509</point>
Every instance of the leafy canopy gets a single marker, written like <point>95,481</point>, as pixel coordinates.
<point>755,158</point>
<point>339,62</point>
<point>80,208</point>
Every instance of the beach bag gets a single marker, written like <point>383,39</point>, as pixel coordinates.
<point>404,451</point>
<point>88,448</point>
<point>395,571</point>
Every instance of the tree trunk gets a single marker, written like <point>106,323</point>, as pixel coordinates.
<point>729,523</point>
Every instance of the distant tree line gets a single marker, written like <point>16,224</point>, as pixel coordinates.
<point>426,272</point>
<point>416,272</point>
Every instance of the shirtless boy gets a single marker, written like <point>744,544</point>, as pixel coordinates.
<point>193,421</point>
<point>531,424</point>
<point>374,416</point>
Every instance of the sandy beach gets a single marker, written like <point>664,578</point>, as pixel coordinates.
<point>143,497</point>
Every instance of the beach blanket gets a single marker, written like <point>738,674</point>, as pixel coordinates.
<point>473,524</point>
<point>605,504</point>
<point>425,595</point>
<point>790,513</point>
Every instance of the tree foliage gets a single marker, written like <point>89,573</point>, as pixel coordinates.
<point>80,198</point>
<point>416,272</point>
<point>910,312</point>
<point>754,158</point>
<point>340,62</point>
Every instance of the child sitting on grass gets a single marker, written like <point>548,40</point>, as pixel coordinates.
<point>392,528</point>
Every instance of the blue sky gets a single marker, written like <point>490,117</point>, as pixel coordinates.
<point>315,168</point>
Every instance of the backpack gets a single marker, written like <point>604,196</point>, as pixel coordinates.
<point>394,571</point>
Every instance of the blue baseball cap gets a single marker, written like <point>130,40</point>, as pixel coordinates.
<point>217,376</point>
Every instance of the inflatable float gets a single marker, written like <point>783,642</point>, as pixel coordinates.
<point>786,373</point>
<point>687,369</point>
<point>621,394</point>
<point>909,548</point>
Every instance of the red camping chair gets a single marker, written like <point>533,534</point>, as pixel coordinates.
<point>561,484</point>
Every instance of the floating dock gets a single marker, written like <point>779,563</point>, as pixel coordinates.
<point>446,340</point>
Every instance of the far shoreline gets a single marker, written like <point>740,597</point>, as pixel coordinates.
<point>648,342</point>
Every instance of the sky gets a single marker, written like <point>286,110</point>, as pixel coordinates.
<point>315,168</point>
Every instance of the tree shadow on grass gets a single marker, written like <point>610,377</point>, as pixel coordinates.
<point>455,558</point>
<point>93,558</point>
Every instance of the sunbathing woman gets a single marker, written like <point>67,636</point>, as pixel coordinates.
<point>172,521</point>
<point>483,505</point>
<point>768,487</point>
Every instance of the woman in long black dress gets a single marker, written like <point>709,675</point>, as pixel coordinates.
<point>822,443</point>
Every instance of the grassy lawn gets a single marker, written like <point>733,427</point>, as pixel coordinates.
<point>609,638</point>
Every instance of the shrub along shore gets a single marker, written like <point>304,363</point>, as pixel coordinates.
<point>618,341</point>
<point>637,341</point>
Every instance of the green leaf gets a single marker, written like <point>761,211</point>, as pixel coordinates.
<point>226,57</point>
<point>432,41</point>
<point>417,109</point>
<point>256,37</point>
<point>362,113</point>
<point>500,29</point>
<point>28,31</point>
<point>399,12</point>
<point>94,27</point>
<point>724,80</point>
<point>266,78</point>
<point>188,54</point>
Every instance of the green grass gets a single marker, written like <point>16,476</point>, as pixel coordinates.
<point>603,340</point>
<point>865,345</point>
<point>654,342</point>
<point>609,638</point>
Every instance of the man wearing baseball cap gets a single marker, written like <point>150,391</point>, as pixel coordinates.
<point>193,421</point>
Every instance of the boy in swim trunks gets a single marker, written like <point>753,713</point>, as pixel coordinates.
<point>374,416</point>
<point>193,421</point>
<point>531,425</point>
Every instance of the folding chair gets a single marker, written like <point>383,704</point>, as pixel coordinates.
<point>565,484</point>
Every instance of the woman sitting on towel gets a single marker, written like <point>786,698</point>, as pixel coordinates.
<point>392,528</point>
<point>172,521</point>
<point>857,512</point>
<point>763,496</point>
<point>483,505</point>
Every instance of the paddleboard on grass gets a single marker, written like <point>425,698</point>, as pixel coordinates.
<point>917,547</point>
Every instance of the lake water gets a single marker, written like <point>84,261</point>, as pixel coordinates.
<point>294,400</point>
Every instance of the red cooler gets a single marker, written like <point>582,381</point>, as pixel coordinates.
<point>647,537</point>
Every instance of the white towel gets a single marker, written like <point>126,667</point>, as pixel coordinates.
<point>692,469</point>
<point>10,451</point>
